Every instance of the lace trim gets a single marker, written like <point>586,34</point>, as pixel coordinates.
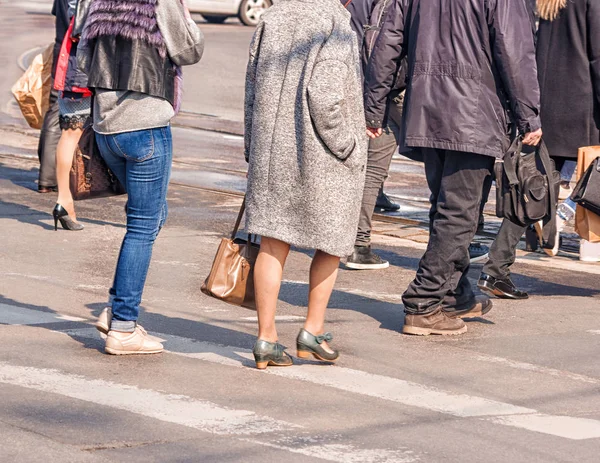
<point>74,122</point>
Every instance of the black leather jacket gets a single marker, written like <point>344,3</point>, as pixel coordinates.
<point>115,63</point>
<point>469,62</point>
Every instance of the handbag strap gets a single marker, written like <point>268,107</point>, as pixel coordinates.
<point>544,156</point>
<point>510,161</point>
<point>238,221</point>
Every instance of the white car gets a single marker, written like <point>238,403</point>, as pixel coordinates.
<point>217,11</point>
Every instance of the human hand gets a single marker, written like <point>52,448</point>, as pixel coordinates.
<point>533,138</point>
<point>373,132</point>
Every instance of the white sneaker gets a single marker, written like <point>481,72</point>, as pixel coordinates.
<point>138,342</point>
<point>589,252</point>
<point>103,326</point>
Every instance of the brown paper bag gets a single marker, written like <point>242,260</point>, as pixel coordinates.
<point>587,224</point>
<point>32,90</point>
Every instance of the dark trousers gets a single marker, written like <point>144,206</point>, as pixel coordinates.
<point>456,180</point>
<point>379,159</point>
<point>503,250</point>
<point>487,187</point>
<point>49,137</point>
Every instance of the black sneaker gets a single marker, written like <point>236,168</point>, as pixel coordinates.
<point>364,259</point>
<point>385,204</point>
<point>478,253</point>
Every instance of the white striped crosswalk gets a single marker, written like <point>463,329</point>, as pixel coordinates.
<point>198,414</point>
<point>249,426</point>
<point>389,389</point>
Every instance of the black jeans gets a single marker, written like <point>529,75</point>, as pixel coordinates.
<point>503,250</point>
<point>379,158</point>
<point>49,137</point>
<point>456,180</point>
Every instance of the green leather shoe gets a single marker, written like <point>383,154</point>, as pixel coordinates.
<point>270,354</point>
<point>308,344</point>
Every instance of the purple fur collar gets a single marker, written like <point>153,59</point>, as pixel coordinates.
<point>130,19</point>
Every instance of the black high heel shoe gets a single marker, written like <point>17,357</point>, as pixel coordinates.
<point>60,214</point>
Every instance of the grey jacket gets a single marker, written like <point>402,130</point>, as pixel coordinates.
<point>305,131</point>
<point>469,63</point>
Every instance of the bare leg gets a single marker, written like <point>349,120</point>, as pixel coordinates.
<point>323,274</point>
<point>268,272</point>
<point>64,160</point>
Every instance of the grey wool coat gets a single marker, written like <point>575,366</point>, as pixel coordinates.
<point>305,137</point>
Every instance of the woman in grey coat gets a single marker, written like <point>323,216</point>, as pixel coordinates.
<point>306,148</point>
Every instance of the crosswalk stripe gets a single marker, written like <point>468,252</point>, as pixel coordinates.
<point>387,388</point>
<point>13,315</point>
<point>198,414</point>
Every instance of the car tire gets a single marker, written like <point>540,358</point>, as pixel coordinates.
<point>252,10</point>
<point>214,19</point>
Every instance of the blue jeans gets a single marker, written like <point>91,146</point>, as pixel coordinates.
<point>567,171</point>
<point>141,160</point>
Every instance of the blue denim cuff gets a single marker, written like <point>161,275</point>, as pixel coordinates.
<point>122,326</point>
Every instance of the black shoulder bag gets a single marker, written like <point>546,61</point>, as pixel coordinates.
<point>587,191</point>
<point>527,185</point>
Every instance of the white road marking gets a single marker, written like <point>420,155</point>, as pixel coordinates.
<point>233,137</point>
<point>198,414</point>
<point>279,318</point>
<point>594,331</point>
<point>388,388</point>
<point>13,315</point>
<point>537,368</point>
<point>562,426</point>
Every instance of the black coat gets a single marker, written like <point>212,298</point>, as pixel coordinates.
<point>60,9</point>
<point>568,57</point>
<point>468,63</point>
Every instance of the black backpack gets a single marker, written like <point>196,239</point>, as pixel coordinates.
<point>527,185</point>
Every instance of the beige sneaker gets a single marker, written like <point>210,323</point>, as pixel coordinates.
<point>103,326</point>
<point>138,342</point>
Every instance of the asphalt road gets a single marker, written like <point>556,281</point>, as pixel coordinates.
<point>521,386</point>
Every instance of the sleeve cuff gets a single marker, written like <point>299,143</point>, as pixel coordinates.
<point>530,125</point>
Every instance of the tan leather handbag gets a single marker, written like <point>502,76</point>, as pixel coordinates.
<point>231,277</point>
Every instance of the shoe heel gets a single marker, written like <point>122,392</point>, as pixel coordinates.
<point>304,354</point>
<point>55,223</point>
<point>262,365</point>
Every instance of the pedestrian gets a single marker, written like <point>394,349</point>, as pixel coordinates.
<point>568,58</point>
<point>367,17</point>
<point>132,51</point>
<point>74,106</point>
<point>468,63</point>
<point>50,133</point>
<point>306,146</point>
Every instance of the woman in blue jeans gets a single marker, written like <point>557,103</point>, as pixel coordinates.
<point>132,52</point>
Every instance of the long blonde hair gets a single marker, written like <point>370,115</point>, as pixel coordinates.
<point>549,9</point>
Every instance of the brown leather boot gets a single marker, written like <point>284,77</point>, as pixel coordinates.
<point>482,305</point>
<point>433,323</point>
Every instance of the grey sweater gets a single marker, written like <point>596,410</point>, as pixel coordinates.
<point>127,111</point>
